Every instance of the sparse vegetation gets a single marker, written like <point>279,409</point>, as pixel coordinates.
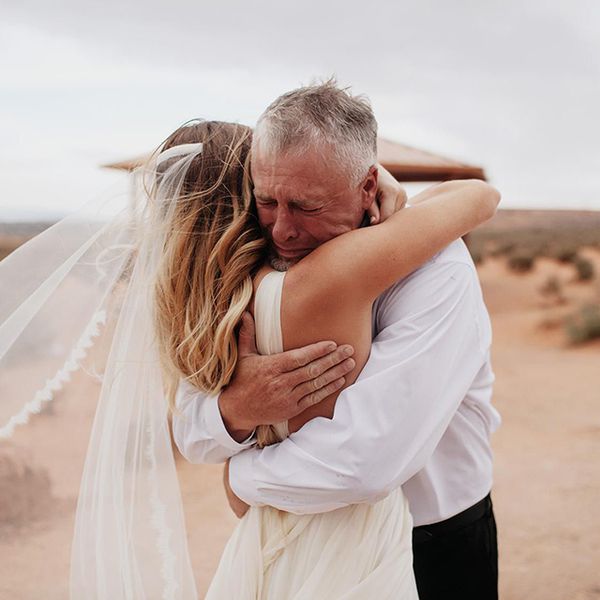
<point>552,288</point>
<point>555,234</point>
<point>566,254</point>
<point>584,325</point>
<point>521,263</point>
<point>585,269</point>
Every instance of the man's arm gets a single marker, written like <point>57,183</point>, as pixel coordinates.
<point>386,425</point>
<point>199,430</point>
<point>264,389</point>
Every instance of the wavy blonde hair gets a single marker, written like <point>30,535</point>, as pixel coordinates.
<point>213,247</point>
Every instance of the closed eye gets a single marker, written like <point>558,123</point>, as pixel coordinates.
<point>265,202</point>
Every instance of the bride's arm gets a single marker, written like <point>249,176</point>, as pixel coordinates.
<point>330,292</point>
<point>361,264</point>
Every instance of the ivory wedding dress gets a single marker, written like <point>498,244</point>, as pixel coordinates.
<point>359,552</point>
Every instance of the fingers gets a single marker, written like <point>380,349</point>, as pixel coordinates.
<point>320,378</point>
<point>323,380</point>
<point>299,357</point>
<point>312,373</point>
<point>373,213</point>
<point>246,336</point>
<point>394,201</point>
<point>319,366</point>
<point>401,199</point>
<point>320,395</point>
<point>388,207</point>
<point>337,359</point>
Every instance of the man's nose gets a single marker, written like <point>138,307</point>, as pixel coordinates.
<point>284,227</point>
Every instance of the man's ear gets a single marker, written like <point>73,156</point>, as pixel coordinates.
<point>368,188</point>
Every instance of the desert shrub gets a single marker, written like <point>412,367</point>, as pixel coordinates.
<point>551,287</point>
<point>584,268</point>
<point>553,290</point>
<point>521,262</point>
<point>584,325</point>
<point>539,249</point>
<point>565,254</point>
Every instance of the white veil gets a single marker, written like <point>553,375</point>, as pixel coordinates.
<point>76,303</point>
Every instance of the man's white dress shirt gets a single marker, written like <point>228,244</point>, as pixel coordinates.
<point>419,414</point>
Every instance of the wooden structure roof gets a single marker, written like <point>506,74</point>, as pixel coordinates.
<point>405,163</point>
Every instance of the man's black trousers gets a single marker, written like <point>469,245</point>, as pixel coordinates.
<point>458,558</point>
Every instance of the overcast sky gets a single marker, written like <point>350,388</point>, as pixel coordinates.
<point>512,86</point>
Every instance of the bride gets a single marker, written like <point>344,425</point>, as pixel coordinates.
<point>215,267</point>
<point>163,285</point>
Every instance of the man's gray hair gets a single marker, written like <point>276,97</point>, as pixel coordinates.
<point>325,118</point>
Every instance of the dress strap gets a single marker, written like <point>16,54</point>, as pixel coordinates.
<point>267,313</point>
<point>269,340</point>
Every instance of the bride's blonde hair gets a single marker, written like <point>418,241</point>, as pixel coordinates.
<point>213,247</point>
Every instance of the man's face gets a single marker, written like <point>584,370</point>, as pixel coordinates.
<point>303,202</point>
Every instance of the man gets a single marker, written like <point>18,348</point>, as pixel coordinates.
<point>419,414</point>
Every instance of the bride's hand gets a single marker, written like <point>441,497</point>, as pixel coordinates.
<point>391,197</point>
<point>238,506</point>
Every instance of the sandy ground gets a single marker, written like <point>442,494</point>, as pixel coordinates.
<point>547,469</point>
<point>547,488</point>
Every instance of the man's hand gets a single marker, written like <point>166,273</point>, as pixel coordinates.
<point>275,388</point>
<point>238,506</point>
<point>391,197</point>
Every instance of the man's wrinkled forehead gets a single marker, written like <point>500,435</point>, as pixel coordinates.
<point>300,176</point>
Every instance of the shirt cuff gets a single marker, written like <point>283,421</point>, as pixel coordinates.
<point>241,478</point>
<point>216,427</point>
